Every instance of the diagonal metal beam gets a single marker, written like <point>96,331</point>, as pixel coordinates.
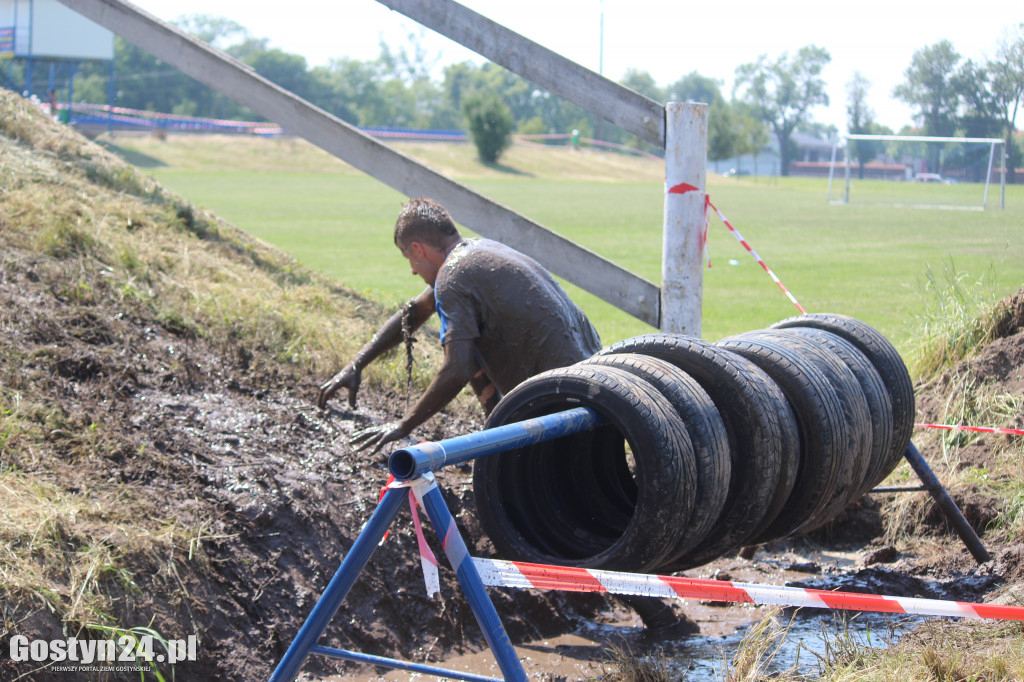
<point>615,103</point>
<point>209,66</point>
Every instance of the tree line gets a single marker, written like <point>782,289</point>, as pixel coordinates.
<point>771,97</point>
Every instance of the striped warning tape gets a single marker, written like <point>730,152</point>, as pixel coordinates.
<point>980,429</point>
<point>496,573</point>
<point>758,258</point>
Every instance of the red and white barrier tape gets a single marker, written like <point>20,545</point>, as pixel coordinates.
<point>979,429</point>
<point>516,574</point>
<point>428,560</point>
<point>758,258</point>
<point>431,577</point>
<point>707,225</point>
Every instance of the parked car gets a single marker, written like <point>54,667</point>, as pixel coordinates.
<point>932,177</point>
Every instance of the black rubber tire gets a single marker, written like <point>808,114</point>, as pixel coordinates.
<point>826,468</point>
<point>535,506</point>
<point>857,450</point>
<point>879,404</point>
<point>887,361</point>
<point>707,434</point>
<point>759,425</point>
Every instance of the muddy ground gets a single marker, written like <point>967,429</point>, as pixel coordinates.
<point>237,449</point>
<point>272,479</point>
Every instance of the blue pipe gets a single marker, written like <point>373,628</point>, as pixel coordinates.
<point>399,665</point>
<point>946,503</point>
<point>472,586</point>
<point>414,461</point>
<point>340,584</point>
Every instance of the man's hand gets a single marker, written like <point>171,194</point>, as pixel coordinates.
<point>350,378</point>
<point>377,436</point>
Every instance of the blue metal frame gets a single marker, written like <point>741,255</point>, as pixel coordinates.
<point>473,587</point>
<point>340,585</point>
<point>411,462</point>
<point>415,466</point>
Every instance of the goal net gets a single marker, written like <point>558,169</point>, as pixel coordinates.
<point>917,171</point>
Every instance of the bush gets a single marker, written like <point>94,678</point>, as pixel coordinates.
<point>490,123</point>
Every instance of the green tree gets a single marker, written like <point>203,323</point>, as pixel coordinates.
<point>490,123</point>
<point>290,71</point>
<point>352,90</point>
<point>753,132</point>
<point>724,133</point>
<point>218,32</point>
<point>860,120</point>
<point>1007,86</point>
<point>643,82</point>
<point>979,117</point>
<point>694,87</point>
<point>932,85</point>
<point>782,92</point>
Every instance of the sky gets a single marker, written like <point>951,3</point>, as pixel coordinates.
<point>668,40</point>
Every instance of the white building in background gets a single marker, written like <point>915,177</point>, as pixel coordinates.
<point>810,149</point>
<point>49,32</point>
<point>48,29</point>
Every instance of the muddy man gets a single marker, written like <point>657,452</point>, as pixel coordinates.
<point>503,317</point>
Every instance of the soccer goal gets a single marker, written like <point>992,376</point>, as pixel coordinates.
<point>919,172</point>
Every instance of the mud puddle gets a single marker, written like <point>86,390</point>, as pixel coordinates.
<point>805,636</point>
<point>586,653</point>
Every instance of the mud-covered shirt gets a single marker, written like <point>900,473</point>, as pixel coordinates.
<point>520,318</point>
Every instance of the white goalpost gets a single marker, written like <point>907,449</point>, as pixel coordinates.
<point>922,172</point>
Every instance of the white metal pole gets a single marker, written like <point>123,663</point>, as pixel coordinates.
<point>1002,176</point>
<point>831,172</point>
<point>682,288</point>
<point>988,177</point>
<point>847,165</point>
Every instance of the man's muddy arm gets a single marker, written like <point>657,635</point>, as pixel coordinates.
<point>390,334</point>
<point>456,370</point>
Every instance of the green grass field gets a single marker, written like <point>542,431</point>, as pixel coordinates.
<point>869,261</point>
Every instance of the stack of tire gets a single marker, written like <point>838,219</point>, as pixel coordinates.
<point>706,448</point>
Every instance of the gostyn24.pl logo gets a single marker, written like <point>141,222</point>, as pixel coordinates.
<point>124,649</point>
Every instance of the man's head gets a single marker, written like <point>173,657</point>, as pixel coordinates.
<point>424,232</point>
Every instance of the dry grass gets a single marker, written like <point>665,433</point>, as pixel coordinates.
<point>98,233</point>
<point>757,650</point>
<point>627,666</point>
<point>66,552</point>
<point>942,651</point>
<point>959,318</point>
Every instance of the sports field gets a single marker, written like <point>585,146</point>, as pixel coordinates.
<point>873,262</point>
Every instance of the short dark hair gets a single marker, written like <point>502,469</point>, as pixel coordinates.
<point>424,220</point>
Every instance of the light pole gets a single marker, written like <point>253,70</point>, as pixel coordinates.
<point>600,69</point>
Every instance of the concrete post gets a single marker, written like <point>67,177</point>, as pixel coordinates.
<point>682,289</point>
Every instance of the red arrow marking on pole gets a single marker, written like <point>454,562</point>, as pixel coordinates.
<point>682,188</point>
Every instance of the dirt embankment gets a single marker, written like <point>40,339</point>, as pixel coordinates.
<point>222,499</point>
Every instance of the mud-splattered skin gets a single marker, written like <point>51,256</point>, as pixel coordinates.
<point>521,319</point>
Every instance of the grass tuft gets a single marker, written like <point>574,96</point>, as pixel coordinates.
<point>958,319</point>
<point>756,652</point>
<point>626,666</point>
